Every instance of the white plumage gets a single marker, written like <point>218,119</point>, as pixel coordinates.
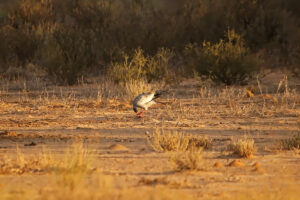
<point>144,101</point>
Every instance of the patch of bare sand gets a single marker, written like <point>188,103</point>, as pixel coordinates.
<point>118,147</point>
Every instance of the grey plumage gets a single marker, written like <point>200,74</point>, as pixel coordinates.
<point>145,100</point>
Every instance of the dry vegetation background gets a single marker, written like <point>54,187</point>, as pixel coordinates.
<point>69,41</point>
<point>229,124</point>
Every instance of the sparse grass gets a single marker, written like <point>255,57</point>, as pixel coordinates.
<point>242,147</point>
<point>74,167</point>
<point>104,188</point>
<point>291,143</point>
<point>141,67</point>
<point>187,149</point>
<point>133,88</point>
<point>66,173</point>
<point>99,187</point>
<point>216,109</point>
<point>278,191</point>
<point>75,160</point>
<point>200,142</point>
<point>164,141</point>
<point>107,90</point>
<point>188,160</point>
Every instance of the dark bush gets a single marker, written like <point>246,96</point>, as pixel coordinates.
<point>227,61</point>
<point>21,32</point>
<point>295,67</point>
<point>68,54</point>
<point>105,29</point>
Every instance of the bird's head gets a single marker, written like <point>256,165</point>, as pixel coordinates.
<point>135,109</point>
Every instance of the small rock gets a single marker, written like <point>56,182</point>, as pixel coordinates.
<point>218,165</point>
<point>256,164</point>
<point>30,144</point>
<point>236,163</point>
<point>258,169</point>
<point>118,147</point>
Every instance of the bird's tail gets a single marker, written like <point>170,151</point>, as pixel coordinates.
<point>157,94</point>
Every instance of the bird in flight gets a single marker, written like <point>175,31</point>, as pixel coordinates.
<point>144,101</point>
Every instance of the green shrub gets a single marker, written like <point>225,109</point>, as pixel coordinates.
<point>227,61</point>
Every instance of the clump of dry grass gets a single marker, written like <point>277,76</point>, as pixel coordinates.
<point>76,159</point>
<point>66,173</point>
<point>98,187</point>
<point>168,141</point>
<point>162,141</point>
<point>75,165</point>
<point>200,141</point>
<point>133,88</point>
<point>291,143</point>
<point>242,147</point>
<point>187,149</point>
<point>127,91</point>
<point>189,160</point>
<point>140,66</point>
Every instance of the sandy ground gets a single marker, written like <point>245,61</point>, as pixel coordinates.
<point>33,119</point>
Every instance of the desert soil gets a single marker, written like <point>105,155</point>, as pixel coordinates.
<point>61,116</point>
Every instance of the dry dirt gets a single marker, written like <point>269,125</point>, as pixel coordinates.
<point>57,117</point>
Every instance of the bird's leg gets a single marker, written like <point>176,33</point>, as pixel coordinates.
<point>140,114</point>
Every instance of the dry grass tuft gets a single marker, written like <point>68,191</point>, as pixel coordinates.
<point>242,147</point>
<point>75,160</point>
<point>200,141</point>
<point>188,149</point>
<point>162,141</point>
<point>98,187</point>
<point>189,160</point>
<point>140,66</point>
<point>291,143</point>
<point>133,88</point>
<point>108,90</point>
